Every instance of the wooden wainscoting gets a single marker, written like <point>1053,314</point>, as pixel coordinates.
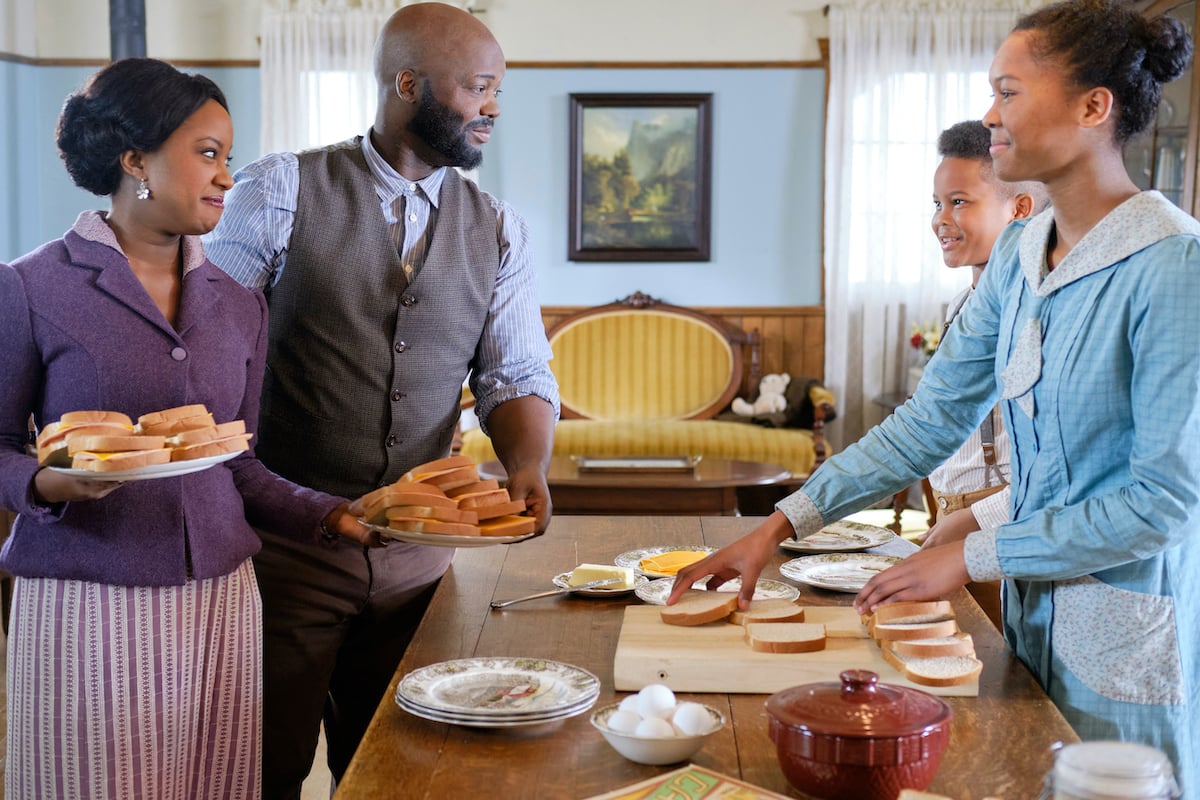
<point>793,337</point>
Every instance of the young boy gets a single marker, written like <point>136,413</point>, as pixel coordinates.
<point>971,207</point>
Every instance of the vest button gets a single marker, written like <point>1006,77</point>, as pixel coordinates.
<point>401,347</point>
<point>397,394</point>
<point>408,301</point>
<point>179,354</point>
<point>391,440</point>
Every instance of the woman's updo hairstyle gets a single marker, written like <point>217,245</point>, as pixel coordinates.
<point>1107,43</point>
<point>132,104</point>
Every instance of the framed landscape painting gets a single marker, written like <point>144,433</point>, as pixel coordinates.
<point>641,167</point>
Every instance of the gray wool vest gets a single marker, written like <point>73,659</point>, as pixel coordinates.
<point>365,368</point>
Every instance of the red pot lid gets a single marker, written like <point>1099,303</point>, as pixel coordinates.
<point>859,706</point>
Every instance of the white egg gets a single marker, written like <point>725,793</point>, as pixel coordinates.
<point>691,719</point>
<point>629,703</point>
<point>655,728</point>
<point>655,700</point>
<point>624,721</point>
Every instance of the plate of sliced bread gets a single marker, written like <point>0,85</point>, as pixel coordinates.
<point>844,536</point>
<point>445,504</point>
<point>837,572</point>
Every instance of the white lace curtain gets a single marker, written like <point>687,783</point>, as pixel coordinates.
<point>901,71</point>
<point>316,69</point>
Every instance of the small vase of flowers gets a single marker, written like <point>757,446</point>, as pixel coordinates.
<point>925,340</point>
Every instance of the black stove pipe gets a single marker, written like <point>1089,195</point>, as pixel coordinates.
<point>127,28</point>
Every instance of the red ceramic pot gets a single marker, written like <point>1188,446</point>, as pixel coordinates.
<point>860,739</point>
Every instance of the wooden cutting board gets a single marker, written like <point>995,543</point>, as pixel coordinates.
<point>716,658</point>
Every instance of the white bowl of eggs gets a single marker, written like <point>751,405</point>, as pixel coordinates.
<point>650,727</point>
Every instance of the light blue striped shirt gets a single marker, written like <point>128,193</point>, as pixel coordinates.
<point>251,244</point>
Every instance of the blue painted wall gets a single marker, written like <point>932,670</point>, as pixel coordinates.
<point>767,155</point>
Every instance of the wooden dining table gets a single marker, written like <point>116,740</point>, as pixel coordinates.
<point>1001,741</point>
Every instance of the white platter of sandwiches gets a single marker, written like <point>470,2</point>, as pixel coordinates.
<point>444,503</point>
<point>109,446</point>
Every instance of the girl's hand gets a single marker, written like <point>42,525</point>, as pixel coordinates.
<point>51,488</point>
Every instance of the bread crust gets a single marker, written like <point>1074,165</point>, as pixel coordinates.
<point>208,434</point>
<point>107,443</point>
<point>119,462</point>
<point>432,512</point>
<point>178,412</point>
<point>512,507</point>
<point>785,637</point>
<point>436,466</point>
<point>489,485</point>
<point>774,609</point>
<point>451,478</point>
<point>914,611</point>
<point>85,417</point>
<point>697,607</point>
<point>480,499</point>
<point>959,644</point>
<point>218,447</point>
<point>918,670</point>
<point>174,425</point>
<point>432,526</point>
<point>893,631</point>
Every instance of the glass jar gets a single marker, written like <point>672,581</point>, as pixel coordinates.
<point>1110,771</point>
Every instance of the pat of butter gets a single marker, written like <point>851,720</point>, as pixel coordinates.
<point>671,562</point>
<point>586,573</point>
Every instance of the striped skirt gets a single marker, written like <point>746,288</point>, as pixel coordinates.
<point>135,692</point>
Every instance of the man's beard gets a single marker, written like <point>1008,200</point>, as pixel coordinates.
<point>442,130</point>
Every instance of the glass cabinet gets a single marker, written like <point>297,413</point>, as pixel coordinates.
<point>1164,157</point>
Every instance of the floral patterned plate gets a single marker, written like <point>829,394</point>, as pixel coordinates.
<point>498,687</point>
<point>845,536</point>
<point>838,572</point>
<point>655,592</point>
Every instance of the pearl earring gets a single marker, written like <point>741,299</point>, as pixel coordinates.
<point>143,191</point>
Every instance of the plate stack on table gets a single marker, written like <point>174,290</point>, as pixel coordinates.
<point>498,692</point>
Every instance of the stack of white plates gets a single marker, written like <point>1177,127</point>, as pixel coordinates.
<point>497,692</point>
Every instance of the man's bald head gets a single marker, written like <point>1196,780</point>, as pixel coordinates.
<point>425,37</point>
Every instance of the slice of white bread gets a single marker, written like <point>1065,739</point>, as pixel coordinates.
<point>774,609</point>
<point>52,438</point>
<point>451,478</point>
<point>490,485</point>
<point>959,644</point>
<point>785,637</point>
<point>894,631</point>
<point>207,434</point>
<point>697,607</point>
<point>173,420</point>
<point>914,611</point>
<point>73,418</point>
<point>216,447</point>
<point>108,443</point>
<point>489,497</point>
<point>432,512</point>
<point>118,462</point>
<point>508,525</point>
<point>174,425</point>
<point>437,466</point>
<point>432,526</point>
<point>498,509</point>
<point>939,671</point>
<point>375,504</point>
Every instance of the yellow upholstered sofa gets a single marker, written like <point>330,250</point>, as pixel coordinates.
<point>640,377</point>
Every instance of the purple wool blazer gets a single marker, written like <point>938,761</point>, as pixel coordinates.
<point>78,331</point>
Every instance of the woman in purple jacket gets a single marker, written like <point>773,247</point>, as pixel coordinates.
<point>134,656</point>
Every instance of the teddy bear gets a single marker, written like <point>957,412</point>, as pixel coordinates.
<point>771,398</point>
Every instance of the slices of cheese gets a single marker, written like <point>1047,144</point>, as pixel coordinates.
<point>670,562</point>
<point>586,573</point>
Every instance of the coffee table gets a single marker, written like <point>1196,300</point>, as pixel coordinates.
<point>710,489</point>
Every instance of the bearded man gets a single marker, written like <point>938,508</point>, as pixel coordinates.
<point>390,279</point>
